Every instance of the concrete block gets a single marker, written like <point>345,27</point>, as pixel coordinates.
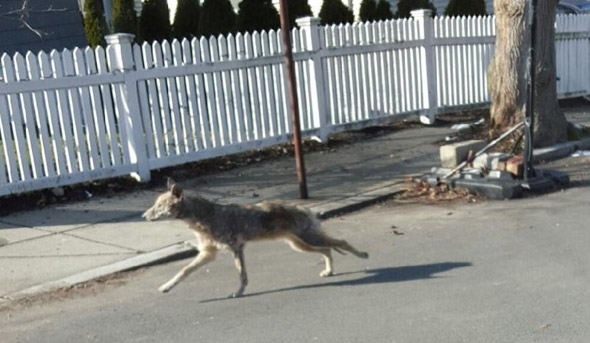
<point>490,161</point>
<point>452,155</point>
<point>490,188</point>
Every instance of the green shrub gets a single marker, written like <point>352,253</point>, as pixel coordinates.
<point>124,17</point>
<point>298,9</point>
<point>334,12</point>
<point>466,8</point>
<point>404,7</point>
<point>95,24</point>
<point>367,11</point>
<point>257,15</point>
<point>186,18</point>
<point>383,10</point>
<point>154,23</point>
<point>217,17</point>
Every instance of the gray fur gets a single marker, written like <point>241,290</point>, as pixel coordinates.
<point>231,226</point>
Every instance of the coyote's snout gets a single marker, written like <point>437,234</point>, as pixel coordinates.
<point>231,226</point>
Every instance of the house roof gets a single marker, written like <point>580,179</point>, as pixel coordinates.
<point>58,21</point>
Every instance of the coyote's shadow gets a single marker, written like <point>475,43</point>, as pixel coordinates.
<point>373,276</point>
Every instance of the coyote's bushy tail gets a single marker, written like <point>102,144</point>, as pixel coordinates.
<point>317,238</point>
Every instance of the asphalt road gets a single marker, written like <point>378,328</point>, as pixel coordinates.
<point>507,271</point>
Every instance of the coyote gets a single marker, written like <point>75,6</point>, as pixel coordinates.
<point>231,226</point>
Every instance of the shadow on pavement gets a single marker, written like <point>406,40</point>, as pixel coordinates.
<point>373,276</point>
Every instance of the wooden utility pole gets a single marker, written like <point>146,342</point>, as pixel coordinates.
<point>285,27</point>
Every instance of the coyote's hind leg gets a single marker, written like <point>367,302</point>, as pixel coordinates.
<point>299,245</point>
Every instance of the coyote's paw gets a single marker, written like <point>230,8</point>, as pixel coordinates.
<point>326,273</point>
<point>165,288</point>
<point>189,244</point>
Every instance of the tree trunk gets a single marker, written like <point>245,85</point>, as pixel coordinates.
<point>508,69</point>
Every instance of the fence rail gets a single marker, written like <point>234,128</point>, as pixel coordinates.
<point>76,115</point>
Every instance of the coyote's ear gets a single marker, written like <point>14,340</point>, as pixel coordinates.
<point>170,183</point>
<point>176,191</point>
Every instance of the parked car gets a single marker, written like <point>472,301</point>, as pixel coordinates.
<point>573,7</point>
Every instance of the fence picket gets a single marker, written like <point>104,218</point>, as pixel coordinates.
<point>219,94</point>
<point>64,114</point>
<point>6,156</point>
<point>34,73</point>
<point>253,85</point>
<point>213,128</point>
<point>98,111</point>
<point>248,130</point>
<point>142,89</point>
<point>87,112</point>
<point>227,94</point>
<point>183,102</point>
<point>67,113</point>
<point>17,120</point>
<point>237,113</point>
<point>172,95</point>
<point>11,158</point>
<point>204,129</point>
<point>162,93</point>
<point>194,126</point>
<point>277,84</point>
<point>26,103</point>
<point>76,114</point>
<point>110,109</point>
<point>358,75</point>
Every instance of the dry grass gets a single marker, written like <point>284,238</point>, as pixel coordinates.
<point>418,191</point>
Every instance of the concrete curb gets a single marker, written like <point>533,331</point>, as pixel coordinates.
<point>357,202</point>
<point>559,151</point>
<point>178,250</point>
<point>150,258</point>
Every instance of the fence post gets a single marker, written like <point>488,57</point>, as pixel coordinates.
<point>311,29</point>
<point>428,67</point>
<point>121,60</point>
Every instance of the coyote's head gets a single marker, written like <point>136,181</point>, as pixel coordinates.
<point>166,205</point>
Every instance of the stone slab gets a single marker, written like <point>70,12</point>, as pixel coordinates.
<point>451,155</point>
<point>136,234</point>
<point>490,161</point>
<point>11,235</point>
<point>57,245</point>
<point>102,268</point>
<point>62,218</point>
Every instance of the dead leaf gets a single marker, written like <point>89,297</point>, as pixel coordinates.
<point>544,326</point>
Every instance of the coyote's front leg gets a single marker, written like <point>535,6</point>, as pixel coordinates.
<point>241,265</point>
<point>205,256</point>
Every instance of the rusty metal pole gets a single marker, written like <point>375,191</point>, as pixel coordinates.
<point>285,27</point>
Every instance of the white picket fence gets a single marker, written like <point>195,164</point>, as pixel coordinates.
<point>85,114</point>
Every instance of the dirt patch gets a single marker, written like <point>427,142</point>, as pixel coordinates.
<point>84,289</point>
<point>513,144</point>
<point>417,191</point>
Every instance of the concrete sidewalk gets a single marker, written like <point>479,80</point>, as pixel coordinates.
<point>66,244</point>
